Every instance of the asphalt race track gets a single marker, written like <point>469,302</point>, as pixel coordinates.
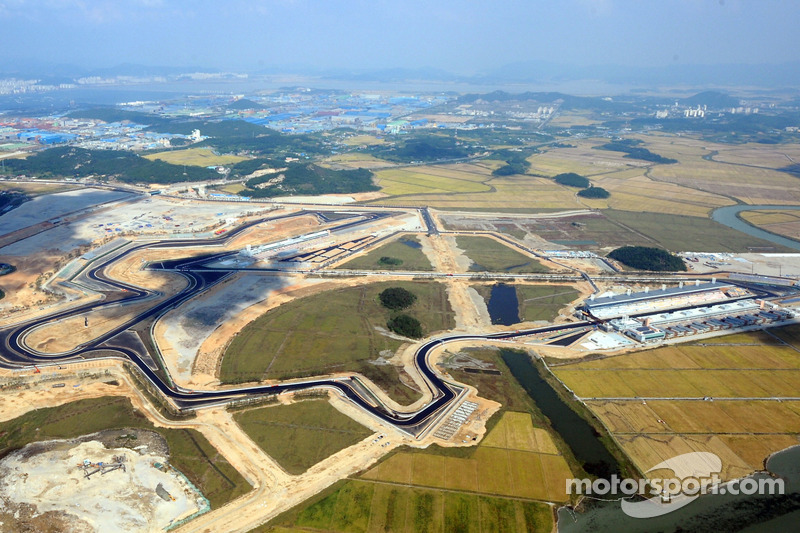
<point>117,344</point>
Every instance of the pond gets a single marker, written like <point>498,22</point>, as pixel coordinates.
<point>503,305</point>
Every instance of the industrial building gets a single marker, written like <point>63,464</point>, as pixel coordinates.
<point>630,304</point>
<point>699,320</point>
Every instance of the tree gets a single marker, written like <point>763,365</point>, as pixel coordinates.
<point>571,179</point>
<point>390,261</point>
<point>397,298</point>
<point>645,258</point>
<point>594,192</point>
<point>405,325</point>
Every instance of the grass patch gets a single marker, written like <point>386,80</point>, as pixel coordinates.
<point>189,450</point>
<point>310,431</point>
<point>332,332</point>
<point>358,506</point>
<point>406,249</point>
<point>199,157</point>
<point>679,233</point>
<point>488,255</point>
<point>542,302</point>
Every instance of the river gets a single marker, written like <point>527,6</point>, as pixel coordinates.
<point>729,216</point>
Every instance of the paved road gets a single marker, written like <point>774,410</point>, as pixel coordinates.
<point>116,344</point>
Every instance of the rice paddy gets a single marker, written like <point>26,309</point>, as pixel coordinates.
<point>736,397</point>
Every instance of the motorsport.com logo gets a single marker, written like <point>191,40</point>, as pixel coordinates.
<point>696,473</point>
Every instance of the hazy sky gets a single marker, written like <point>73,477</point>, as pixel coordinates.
<point>462,36</point>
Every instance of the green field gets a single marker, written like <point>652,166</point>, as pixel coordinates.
<point>189,450</point>
<point>542,302</point>
<point>681,233</point>
<point>488,255</point>
<point>200,157</point>
<point>361,507</point>
<point>310,431</point>
<point>330,332</point>
<point>407,249</point>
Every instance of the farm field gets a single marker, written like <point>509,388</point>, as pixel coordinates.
<point>683,233</point>
<point>515,460</point>
<point>201,157</point>
<point>701,168</point>
<point>405,248</point>
<point>717,397</point>
<point>36,189</point>
<point>693,186</point>
<point>357,506</point>
<point>232,188</point>
<point>309,430</point>
<point>354,160</point>
<point>489,255</point>
<point>634,191</point>
<point>331,332</point>
<point>582,159</point>
<point>786,223</point>
<point>436,179</point>
<point>189,450</point>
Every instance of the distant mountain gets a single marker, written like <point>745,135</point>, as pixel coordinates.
<point>132,69</point>
<point>713,99</point>
<point>244,103</point>
<point>771,75</point>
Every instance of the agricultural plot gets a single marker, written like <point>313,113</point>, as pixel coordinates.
<point>200,157</point>
<point>633,191</point>
<point>581,159</point>
<point>709,398</point>
<point>406,249</point>
<point>699,168</point>
<point>516,459</point>
<point>353,161</point>
<point>434,179</point>
<point>786,223</point>
<point>760,155</point>
<point>189,451</point>
<point>358,506</point>
<point>331,332</point>
<point>489,255</point>
<point>682,233</point>
<point>310,431</point>
<point>232,188</point>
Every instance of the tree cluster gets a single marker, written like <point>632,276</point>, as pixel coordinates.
<point>594,192</point>
<point>405,325</point>
<point>570,179</point>
<point>309,179</point>
<point>69,161</point>
<point>646,258</point>
<point>632,151</point>
<point>397,298</point>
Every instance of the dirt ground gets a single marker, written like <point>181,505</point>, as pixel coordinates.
<point>48,477</point>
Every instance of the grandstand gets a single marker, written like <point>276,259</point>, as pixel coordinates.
<point>647,301</point>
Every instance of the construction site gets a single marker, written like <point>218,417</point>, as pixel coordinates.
<point>162,304</point>
<point>90,487</point>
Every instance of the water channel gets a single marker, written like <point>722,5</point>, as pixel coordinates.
<point>728,216</point>
<point>577,433</point>
<point>710,512</point>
